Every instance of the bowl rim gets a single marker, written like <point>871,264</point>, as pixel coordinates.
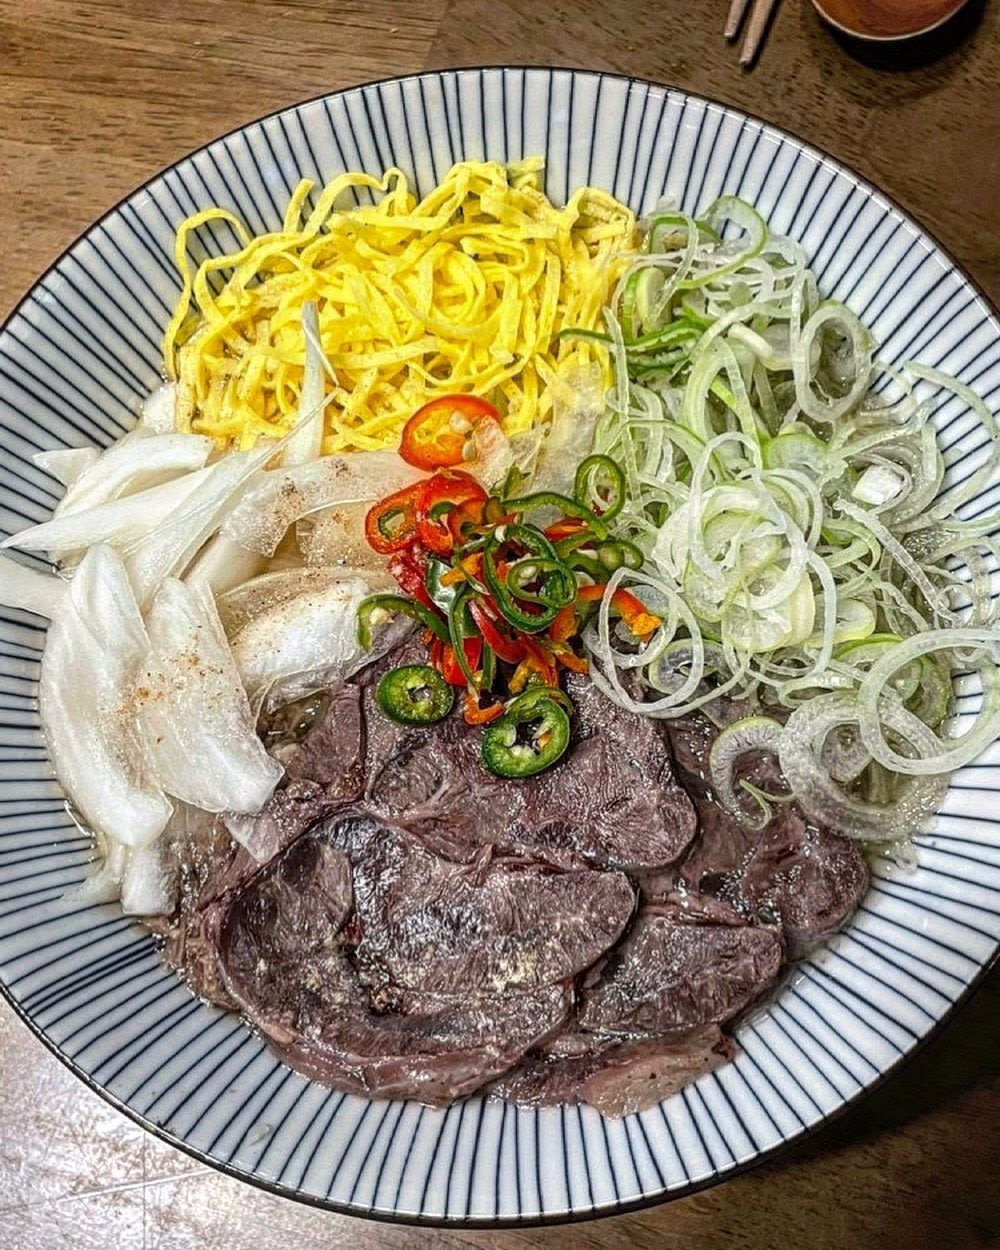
<point>647,1201</point>
<point>866,37</point>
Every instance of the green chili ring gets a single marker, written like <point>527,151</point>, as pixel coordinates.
<point>369,609</point>
<point>414,694</point>
<point>530,737</point>
<point>595,474</point>
<point>534,693</point>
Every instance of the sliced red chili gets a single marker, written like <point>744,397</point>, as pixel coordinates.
<point>449,666</point>
<point>565,624</point>
<point>437,497</point>
<point>409,569</point>
<point>569,659</point>
<point>465,517</point>
<point>435,437</point>
<point>632,610</point>
<point>566,528</point>
<point>391,524</point>
<point>536,667</point>
<point>508,649</point>
<point>476,714</point>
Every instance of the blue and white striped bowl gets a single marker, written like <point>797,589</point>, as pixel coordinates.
<point>77,356</point>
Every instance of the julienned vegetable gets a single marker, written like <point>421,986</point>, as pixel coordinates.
<point>503,601</point>
<point>472,284</point>
<point>796,543</point>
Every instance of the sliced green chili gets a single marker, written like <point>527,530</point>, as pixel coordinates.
<point>531,735</point>
<point>612,555</point>
<point>580,562</point>
<point>512,482</point>
<point>414,694</point>
<point>489,667</point>
<point>440,509</point>
<point>535,692</point>
<point>567,506</point>
<point>544,563</point>
<point>460,627</point>
<point>443,596</point>
<point>493,511</point>
<point>555,581</point>
<point>600,483</point>
<point>370,608</point>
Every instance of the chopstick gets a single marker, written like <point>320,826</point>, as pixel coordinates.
<point>736,11</point>
<point>760,17</point>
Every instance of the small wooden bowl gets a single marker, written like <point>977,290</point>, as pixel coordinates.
<point>884,20</point>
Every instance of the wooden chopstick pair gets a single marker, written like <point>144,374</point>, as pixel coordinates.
<point>760,16</point>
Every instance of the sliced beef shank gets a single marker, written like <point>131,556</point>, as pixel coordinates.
<point>329,750</point>
<point>669,974</point>
<point>793,871</point>
<point>648,1015</point>
<point>618,1077</point>
<point>425,923</point>
<point>613,801</point>
<point>400,923</point>
<point>376,966</point>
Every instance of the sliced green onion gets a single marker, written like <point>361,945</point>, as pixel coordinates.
<point>826,800</point>
<point>794,540</point>
<point>943,754</point>
<point>751,733</point>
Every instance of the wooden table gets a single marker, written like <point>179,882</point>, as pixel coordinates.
<point>94,98</point>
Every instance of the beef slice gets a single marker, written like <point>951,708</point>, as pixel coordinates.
<point>801,874</point>
<point>426,923</point>
<point>618,1077</point>
<point>283,959</point>
<point>669,974</point>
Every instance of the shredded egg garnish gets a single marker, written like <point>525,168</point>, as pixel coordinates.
<point>464,291</point>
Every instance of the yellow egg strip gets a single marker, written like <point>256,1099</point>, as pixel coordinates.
<point>467,290</point>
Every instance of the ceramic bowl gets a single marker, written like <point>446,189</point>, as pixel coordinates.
<point>76,357</point>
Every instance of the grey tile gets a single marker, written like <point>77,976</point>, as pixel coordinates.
<point>95,1221</point>
<point>57,1137</point>
<point>215,1212</point>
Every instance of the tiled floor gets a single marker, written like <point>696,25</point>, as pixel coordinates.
<point>70,1165</point>
<point>72,1169</point>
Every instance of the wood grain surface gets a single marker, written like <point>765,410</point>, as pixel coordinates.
<point>97,96</point>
